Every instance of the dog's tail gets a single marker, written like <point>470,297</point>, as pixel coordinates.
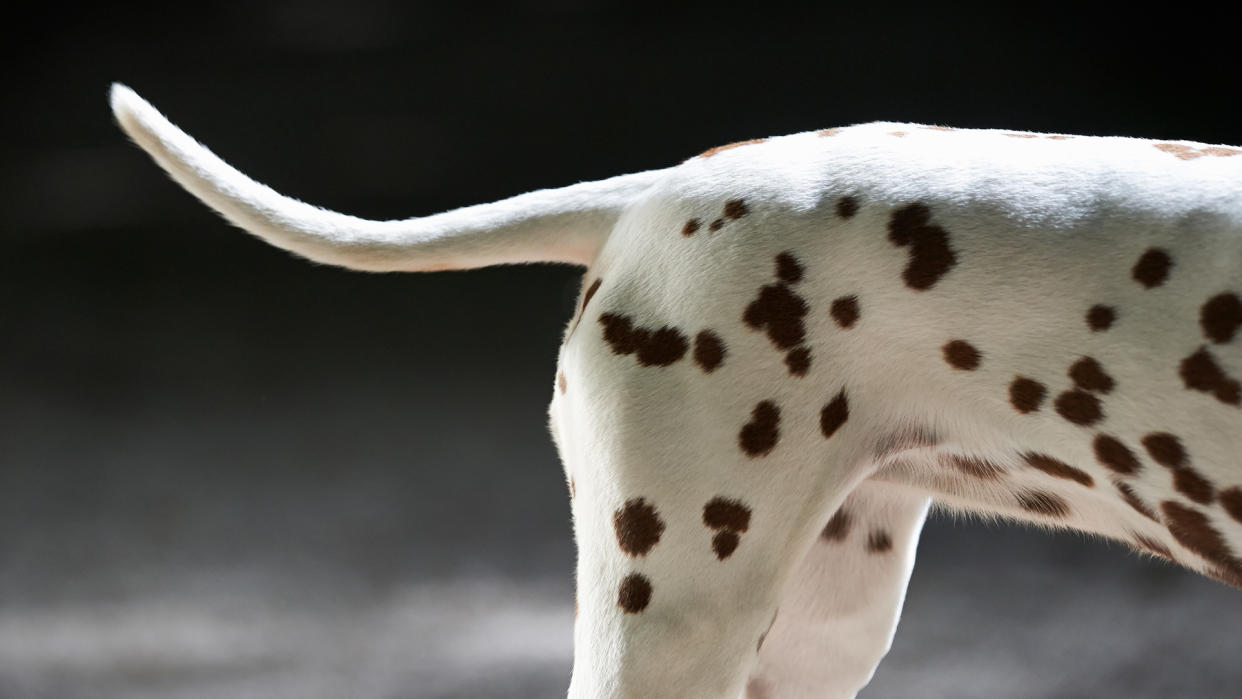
<point>551,225</point>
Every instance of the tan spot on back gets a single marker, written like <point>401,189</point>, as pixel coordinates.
<point>712,151</point>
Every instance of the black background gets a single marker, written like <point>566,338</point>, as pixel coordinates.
<point>226,472</point>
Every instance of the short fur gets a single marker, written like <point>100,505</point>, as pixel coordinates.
<point>787,347</point>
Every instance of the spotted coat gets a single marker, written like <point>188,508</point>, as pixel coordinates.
<point>786,348</point>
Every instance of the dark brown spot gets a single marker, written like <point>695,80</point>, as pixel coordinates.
<point>1193,485</point>
<point>1152,269</point>
<point>1220,317</point>
<point>799,361</point>
<point>930,255</point>
<point>974,466</point>
<point>712,151</point>
<point>590,292</point>
<point>1231,500</point>
<point>1057,468</point>
<point>1110,452</point>
<point>759,436</point>
<point>735,209</point>
<point>709,351</point>
<point>845,311</point>
<point>691,227</point>
<point>1042,503</point>
<point>834,415</point>
<point>1026,395</point>
<point>1200,372</point>
<point>1079,407</point>
<point>838,527</point>
<point>1165,448</point>
<point>878,541</point>
<point>787,268</point>
<point>1192,529</point>
<point>1087,374</point>
<point>1146,544</point>
<point>635,593</point>
<point>1101,317</point>
<point>659,348</point>
<point>715,225</point>
<point>961,355</point>
<point>780,312</point>
<point>724,544</point>
<point>638,527</point>
<point>1133,500</point>
<point>726,514</point>
<point>560,381</point>
<point>764,636</point>
<point>847,207</point>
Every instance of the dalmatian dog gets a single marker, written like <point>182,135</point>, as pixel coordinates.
<point>786,348</point>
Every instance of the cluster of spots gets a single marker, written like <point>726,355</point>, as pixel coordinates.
<point>1192,529</point>
<point>1167,450</point>
<point>729,519</point>
<point>1219,317</point>
<point>712,151</point>
<point>780,312</point>
<point>838,529</point>
<point>1187,152</point>
<point>638,527</point>
<point>962,355</point>
<point>1080,405</point>
<point>661,347</point>
<point>733,209</point>
<point>931,257</point>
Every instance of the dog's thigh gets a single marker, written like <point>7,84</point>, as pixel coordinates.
<point>840,609</point>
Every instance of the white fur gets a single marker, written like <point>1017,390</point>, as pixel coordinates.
<point>1042,228</point>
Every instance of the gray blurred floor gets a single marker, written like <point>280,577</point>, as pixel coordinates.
<point>280,488</point>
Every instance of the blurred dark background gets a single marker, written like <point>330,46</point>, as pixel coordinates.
<point>225,472</point>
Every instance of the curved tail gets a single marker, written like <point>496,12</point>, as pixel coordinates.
<point>552,225</point>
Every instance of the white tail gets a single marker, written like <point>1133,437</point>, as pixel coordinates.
<point>551,225</point>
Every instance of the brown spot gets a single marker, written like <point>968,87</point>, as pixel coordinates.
<point>1058,137</point>
<point>726,514</point>
<point>590,292</point>
<point>974,466</point>
<point>930,255</point>
<point>635,593</point>
<point>1152,269</point>
<point>560,381</point>
<point>780,312</point>
<point>1231,500</point>
<point>1110,452</point>
<point>1087,374</point>
<point>724,544</point>
<point>652,348</point>
<point>799,361</point>
<point>1192,529</point>
<point>847,207</point>
<point>1079,407</point>
<point>1200,372</point>
<point>691,227</point>
<point>961,355</point>
<point>828,132</point>
<point>1220,317</point>
<point>638,527</point>
<point>1133,500</point>
<point>1057,468</point>
<point>1042,503</point>
<point>1146,544</point>
<point>757,688</point>
<point>896,133</point>
<point>1165,448</point>
<point>1193,485</point>
<point>1183,152</point>
<point>879,541</point>
<point>845,311</point>
<point>709,351</point>
<point>1026,395</point>
<point>787,268</point>
<point>834,415</point>
<point>715,225</point>
<point>759,436</point>
<point>735,209</point>
<point>712,151</point>
<point>1221,151</point>
<point>1101,317</point>
<point>573,488</point>
<point>838,527</point>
